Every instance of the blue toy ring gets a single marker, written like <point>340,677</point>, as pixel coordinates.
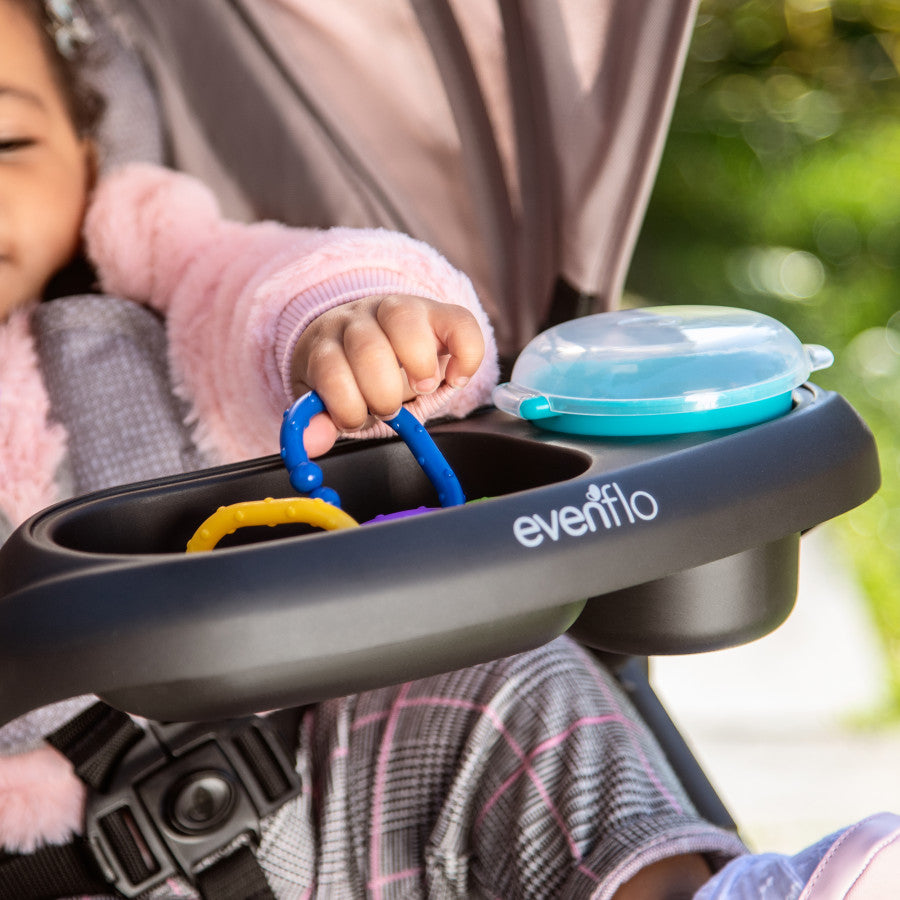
<point>306,476</point>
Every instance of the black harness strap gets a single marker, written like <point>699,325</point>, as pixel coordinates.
<point>52,872</point>
<point>161,803</point>
<point>236,877</point>
<point>95,741</point>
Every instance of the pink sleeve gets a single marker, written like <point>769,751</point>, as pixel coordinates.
<point>236,298</point>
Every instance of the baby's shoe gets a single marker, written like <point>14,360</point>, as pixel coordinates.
<point>863,863</point>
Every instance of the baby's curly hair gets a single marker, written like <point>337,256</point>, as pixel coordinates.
<point>84,103</point>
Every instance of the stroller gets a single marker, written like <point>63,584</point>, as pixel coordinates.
<point>720,570</point>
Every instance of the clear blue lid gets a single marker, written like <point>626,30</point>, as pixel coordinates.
<point>657,361</point>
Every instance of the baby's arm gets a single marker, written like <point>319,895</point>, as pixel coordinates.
<point>252,311</point>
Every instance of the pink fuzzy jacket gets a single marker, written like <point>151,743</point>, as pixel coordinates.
<point>235,298</point>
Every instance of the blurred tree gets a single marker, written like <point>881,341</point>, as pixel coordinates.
<point>779,191</point>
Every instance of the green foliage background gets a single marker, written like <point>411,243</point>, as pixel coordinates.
<point>780,191</point>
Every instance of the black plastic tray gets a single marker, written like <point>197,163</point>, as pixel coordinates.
<point>698,551</point>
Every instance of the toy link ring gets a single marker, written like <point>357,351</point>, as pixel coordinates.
<point>321,507</point>
<point>303,510</point>
<point>306,476</point>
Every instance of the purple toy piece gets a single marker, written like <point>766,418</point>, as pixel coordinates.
<point>401,514</point>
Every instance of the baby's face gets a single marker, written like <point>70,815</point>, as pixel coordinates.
<point>44,167</point>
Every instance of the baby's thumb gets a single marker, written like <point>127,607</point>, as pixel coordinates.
<point>320,435</point>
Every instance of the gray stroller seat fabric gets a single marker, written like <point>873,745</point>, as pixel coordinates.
<point>131,128</point>
<point>106,371</point>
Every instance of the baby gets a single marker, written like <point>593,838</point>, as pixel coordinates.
<point>300,309</point>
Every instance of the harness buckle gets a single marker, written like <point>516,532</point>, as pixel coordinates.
<point>183,793</point>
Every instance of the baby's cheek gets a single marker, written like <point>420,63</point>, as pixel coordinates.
<point>58,235</point>
<point>61,216</point>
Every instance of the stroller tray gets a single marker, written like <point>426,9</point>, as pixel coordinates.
<point>634,545</point>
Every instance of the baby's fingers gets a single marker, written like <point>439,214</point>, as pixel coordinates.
<point>424,332</point>
<point>328,371</point>
<point>374,365</point>
<point>459,333</point>
<point>405,321</point>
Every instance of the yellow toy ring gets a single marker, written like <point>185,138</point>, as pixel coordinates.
<point>305,510</point>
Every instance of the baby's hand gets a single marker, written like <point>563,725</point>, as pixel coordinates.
<point>371,355</point>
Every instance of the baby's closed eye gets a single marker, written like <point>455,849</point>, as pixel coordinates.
<point>10,145</point>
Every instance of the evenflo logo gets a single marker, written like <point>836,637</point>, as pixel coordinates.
<point>607,507</point>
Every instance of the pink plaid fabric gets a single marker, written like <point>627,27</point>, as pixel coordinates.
<point>527,777</point>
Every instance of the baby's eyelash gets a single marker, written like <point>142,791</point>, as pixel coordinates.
<point>7,146</point>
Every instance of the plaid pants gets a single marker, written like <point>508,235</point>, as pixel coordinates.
<point>526,777</point>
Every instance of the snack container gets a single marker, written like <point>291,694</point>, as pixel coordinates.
<point>659,370</point>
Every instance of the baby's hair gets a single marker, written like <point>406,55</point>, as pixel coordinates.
<point>84,103</point>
